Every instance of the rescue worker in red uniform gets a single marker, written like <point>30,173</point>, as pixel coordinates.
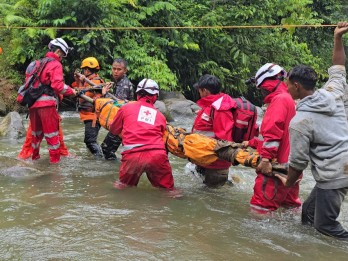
<point>214,120</point>
<point>44,118</point>
<point>90,67</point>
<point>27,149</point>
<point>142,127</point>
<point>274,142</point>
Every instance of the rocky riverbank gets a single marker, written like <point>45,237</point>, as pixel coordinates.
<point>8,96</point>
<point>172,104</point>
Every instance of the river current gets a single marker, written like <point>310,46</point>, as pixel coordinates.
<point>71,211</point>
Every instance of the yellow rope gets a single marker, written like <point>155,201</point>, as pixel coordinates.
<point>170,27</point>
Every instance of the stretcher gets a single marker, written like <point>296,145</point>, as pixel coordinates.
<point>197,148</point>
<point>202,150</point>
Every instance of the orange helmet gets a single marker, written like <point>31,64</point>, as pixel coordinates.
<point>90,62</point>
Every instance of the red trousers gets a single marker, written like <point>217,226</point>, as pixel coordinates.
<point>270,194</point>
<point>154,163</point>
<point>44,122</point>
<point>27,149</point>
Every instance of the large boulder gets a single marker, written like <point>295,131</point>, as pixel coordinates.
<point>181,108</point>
<point>12,126</point>
<point>161,106</point>
<point>170,95</point>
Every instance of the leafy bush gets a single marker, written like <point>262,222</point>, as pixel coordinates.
<point>174,57</point>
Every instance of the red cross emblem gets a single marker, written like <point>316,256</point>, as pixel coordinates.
<point>147,113</point>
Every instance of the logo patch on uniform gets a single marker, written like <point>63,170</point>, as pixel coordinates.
<point>147,115</point>
<point>205,117</point>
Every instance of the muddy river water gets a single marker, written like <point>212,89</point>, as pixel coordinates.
<point>71,211</point>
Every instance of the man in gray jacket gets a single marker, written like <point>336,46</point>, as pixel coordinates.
<point>319,135</point>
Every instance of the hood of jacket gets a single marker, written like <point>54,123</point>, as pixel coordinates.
<point>320,101</point>
<point>220,102</point>
<point>147,98</point>
<point>271,86</point>
<point>53,55</point>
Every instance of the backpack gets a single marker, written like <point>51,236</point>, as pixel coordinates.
<point>33,89</point>
<point>244,116</point>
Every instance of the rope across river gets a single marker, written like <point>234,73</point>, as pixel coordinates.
<point>120,28</point>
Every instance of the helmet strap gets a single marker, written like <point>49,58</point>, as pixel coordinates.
<point>144,84</point>
<point>56,50</point>
<point>280,81</point>
<point>265,92</point>
<point>144,88</point>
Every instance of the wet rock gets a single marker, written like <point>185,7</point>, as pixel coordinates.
<point>170,95</point>
<point>14,168</point>
<point>180,108</point>
<point>161,106</point>
<point>11,126</point>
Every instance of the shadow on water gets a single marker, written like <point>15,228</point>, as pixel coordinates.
<point>70,211</point>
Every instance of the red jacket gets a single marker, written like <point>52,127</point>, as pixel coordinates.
<point>141,125</point>
<point>274,130</point>
<point>220,125</point>
<point>52,75</point>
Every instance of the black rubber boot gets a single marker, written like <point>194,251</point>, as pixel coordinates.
<point>110,146</point>
<point>95,149</point>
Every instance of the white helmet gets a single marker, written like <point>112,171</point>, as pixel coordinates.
<point>267,71</point>
<point>59,42</point>
<point>148,85</point>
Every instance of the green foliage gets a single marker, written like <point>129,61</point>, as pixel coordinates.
<point>176,58</point>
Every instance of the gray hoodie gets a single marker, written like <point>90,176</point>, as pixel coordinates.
<point>319,133</point>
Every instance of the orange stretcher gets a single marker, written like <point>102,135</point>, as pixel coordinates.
<point>106,110</point>
<point>198,148</point>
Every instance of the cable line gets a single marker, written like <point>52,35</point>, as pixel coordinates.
<point>171,27</point>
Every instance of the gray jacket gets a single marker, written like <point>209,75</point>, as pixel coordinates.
<point>319,133</point>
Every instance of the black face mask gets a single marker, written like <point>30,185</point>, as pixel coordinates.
<point>264,92</point>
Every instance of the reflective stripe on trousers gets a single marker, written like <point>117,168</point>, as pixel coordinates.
<point>45,123</point>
